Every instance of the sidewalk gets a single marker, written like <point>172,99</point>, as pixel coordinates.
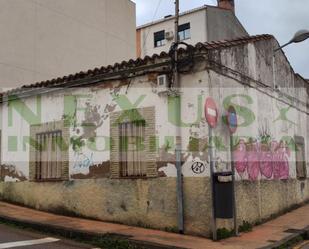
<point>268,234</point>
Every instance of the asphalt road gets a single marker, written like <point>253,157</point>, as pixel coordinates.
<point>23,239</point>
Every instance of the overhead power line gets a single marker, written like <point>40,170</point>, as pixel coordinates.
<point>153,18</point>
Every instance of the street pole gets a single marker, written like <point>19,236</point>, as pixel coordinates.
<point>211,158</point>
<point>176,86</point>
<point>234,188</point>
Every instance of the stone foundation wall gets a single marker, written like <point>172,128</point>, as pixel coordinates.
<point>260,200</point>
<point>152,203</point>
<point>146,203</point>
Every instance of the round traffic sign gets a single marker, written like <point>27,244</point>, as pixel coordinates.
<point>211,112</point>
<point>232,119</point>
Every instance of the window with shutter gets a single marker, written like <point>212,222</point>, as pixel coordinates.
<point>132,151</point>
<point>49,151</point>
<point>48,155</point>
<point>301,170</point>
<point>132,132</point>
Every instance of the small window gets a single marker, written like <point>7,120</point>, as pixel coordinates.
<point>48,156</point>
<point>184,31</point>
<point>132,153</point>
<point>159,39</point>
<point>301,170</point>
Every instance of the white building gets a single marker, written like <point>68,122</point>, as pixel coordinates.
<point>207,23</point>
<point>43,39</point>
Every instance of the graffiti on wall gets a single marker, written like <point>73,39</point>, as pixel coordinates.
<point>9,173</point>
<point>194,160</point>
<point>101,170</point>
<point>198,167</point>
<point>258,159</point>
<point>90,124</point>
<point>82,161</point>
<point>84,167</point>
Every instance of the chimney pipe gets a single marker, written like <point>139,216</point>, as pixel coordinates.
<point>227,4</point>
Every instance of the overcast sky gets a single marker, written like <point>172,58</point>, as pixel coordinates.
<point>282,18</point>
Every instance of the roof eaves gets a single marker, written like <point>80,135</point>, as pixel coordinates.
<point>131,64</point>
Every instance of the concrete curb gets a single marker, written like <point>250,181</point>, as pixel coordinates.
<point>302,232</point>
<point>79,234</point>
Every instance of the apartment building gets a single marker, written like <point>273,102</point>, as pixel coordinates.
<point>43,39</point>
<point>207,23</point>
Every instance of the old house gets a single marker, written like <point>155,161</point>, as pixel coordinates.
<point>101,143</point>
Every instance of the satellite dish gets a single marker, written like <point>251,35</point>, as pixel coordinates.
<point>299,36</point>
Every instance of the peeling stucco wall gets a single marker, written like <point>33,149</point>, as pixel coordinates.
<point>89,133</point>
<point>268,118</point>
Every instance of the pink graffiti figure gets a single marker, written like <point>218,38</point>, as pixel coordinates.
<point>266,161</point>
<point>281,161</point>
<point>253,168</point>
<point>240,157</point>
<point>270,161</point>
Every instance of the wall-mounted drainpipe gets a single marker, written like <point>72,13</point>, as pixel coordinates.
<point>180,211</point>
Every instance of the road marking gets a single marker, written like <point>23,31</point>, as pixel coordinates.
<point>28,243</point>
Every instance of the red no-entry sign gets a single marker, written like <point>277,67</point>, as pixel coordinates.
<point>211,112</point>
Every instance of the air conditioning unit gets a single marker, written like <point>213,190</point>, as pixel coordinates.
<point>169,35</point>
<point>162,83</point>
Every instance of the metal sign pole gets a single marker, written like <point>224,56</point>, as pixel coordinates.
<point>211,115</point>
<point>232,124</point>
<point>234,188</point>
<point>211,158</point>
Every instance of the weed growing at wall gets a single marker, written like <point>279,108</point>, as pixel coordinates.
<point>223,233</point>
<point>245,227</point>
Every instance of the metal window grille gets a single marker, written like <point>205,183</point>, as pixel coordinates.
<point>132,153</point>
<point>48,155</point>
